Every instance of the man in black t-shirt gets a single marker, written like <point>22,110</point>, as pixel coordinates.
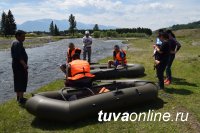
<point>19,66</point>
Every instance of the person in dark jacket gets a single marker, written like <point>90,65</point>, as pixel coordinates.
<point>19,66</point>
<point>174,48</point>
<point>163,51</point>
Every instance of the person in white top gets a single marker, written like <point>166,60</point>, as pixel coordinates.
<point>87,43</point>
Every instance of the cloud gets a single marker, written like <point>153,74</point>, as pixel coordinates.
<point>121,13</point>
<point>25,11</point>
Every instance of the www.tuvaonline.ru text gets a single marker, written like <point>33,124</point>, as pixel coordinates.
<point>145,116</point>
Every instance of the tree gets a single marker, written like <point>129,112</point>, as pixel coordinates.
<point>72,24</point>
<point>11,23</point>
<point>96,27</point>
<point>51,28</point>
<point>56,31</point>
<point>7,25</point>
<point>3,23</point>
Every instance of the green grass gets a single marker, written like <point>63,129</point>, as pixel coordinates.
<point>181,96</point>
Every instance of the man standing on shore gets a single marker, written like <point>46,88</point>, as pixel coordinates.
<point>19,66</point>
<point>87,43</point>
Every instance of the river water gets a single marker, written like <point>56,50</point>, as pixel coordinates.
<point>44,63</point>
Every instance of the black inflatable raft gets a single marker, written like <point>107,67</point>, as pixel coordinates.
<point>73,104</point>
<point>131,71</point>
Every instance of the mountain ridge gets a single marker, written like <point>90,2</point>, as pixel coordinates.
<point>43,25</point>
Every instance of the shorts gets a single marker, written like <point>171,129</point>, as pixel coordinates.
<point>20,79</point>
<point>116,63</point>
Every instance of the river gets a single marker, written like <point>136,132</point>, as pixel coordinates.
<point>44,63</point>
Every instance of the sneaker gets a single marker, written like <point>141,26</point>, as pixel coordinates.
<point>22,100</point>
<point>168,82</point>
<point>17,99</point>
<point>161,89</point>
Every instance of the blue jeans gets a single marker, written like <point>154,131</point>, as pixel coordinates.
<point>168,67</point>
<point>116,63</point>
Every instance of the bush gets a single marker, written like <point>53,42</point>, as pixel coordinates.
<point>108,33</point>
<point>32,35</point>
<point>111,34</point>
<point>97,34</point>
<point>114,34</point>
<point>134,35</point>
<point>79,35</point>
<point>103,34</point>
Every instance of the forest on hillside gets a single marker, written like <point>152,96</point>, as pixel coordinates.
<point>192,25</point>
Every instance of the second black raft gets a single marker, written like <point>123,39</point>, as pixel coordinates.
<point>71,104</point>
<point>131,71</point>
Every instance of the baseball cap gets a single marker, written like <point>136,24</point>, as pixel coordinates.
<point>87,32</point>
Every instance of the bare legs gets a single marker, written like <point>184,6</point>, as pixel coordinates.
<point>110,62</point>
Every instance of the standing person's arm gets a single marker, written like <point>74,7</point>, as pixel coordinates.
<point>162,49</point>
<point>84,41</point>
<point>175,46</point>
<point>90,42</point>
<point>178,45</point>
<point>158,49</point>
<point>23,57</point>
<point>24,64</point>
<point>15,51</point>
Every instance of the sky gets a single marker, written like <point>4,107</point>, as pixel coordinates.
<point>152,14</point>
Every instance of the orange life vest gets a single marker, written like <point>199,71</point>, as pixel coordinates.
<point>80,69</point>
<point>69,56</point>
<point>119,58</point>
<point>103,90</point>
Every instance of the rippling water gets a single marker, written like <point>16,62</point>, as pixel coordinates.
<point>44,63</point>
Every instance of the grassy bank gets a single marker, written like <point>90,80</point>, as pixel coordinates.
<point>181,96</point>
<point>30,42</point>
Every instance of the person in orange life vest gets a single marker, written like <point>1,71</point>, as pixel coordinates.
<point>119,57</point>
<point>79,73</point>
<point>71,51</point>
